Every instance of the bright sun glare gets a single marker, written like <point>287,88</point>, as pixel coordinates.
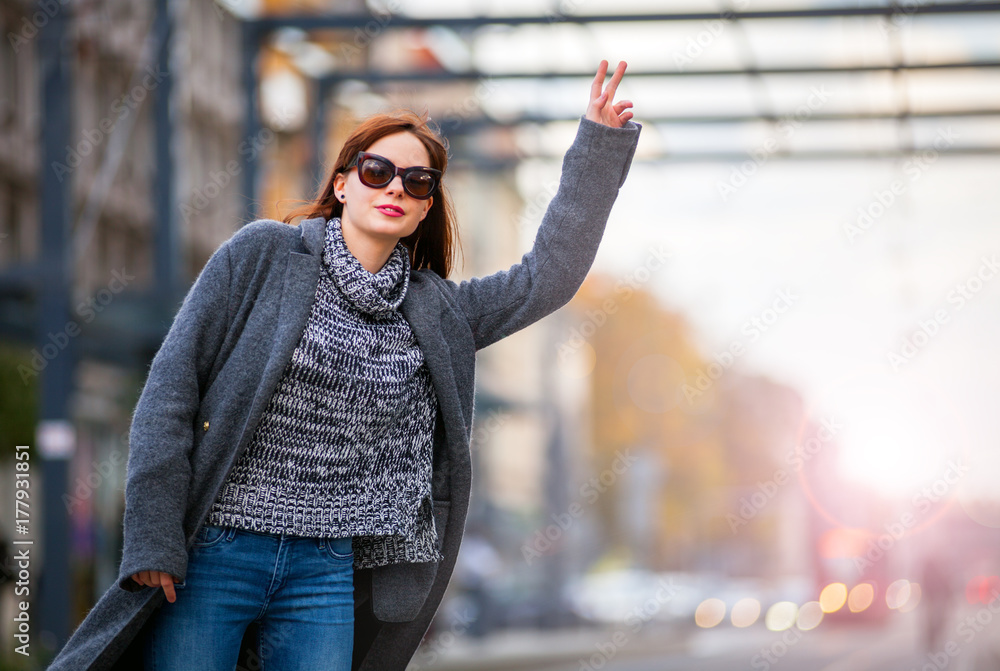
<point>898,440</point>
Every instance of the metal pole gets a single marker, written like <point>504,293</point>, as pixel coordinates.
<point>251,39</point>
<point>319,128</point>
<point>55,440</point>
<point>352,21</point>
<point>555,477</point>
<point>167,249</point>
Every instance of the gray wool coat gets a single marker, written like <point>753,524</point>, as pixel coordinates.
<point>226,350</point>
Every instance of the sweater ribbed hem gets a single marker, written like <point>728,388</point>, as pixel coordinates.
<point>381,544</point>
<point>273,510</point>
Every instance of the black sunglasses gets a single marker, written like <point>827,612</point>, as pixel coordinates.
<point>376,171</point>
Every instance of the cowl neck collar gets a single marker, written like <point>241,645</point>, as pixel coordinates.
<point>377,294</point>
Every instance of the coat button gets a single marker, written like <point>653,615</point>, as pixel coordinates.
<point>206,426</point>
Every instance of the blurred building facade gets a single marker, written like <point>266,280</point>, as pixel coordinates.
<point>111,172</point>
<point>18,147</point>
<point>709,450</point>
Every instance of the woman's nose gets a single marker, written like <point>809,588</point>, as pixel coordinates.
<point>396,185</point>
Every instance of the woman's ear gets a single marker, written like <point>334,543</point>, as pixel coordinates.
<point>430,202</point>
<point>339,184</point>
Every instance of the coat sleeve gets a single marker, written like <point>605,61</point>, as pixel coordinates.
<point>162,432</point>
<point>549,275</point>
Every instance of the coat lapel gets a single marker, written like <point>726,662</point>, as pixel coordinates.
<point>420,308</point>
<point>430,318</point>
<point>298,292</point>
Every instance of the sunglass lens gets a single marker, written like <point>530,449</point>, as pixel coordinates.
<point>420,183</point>
<point>375,172</point>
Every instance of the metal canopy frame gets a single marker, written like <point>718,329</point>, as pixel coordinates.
<point>257,30</point>
<point>350,21</point>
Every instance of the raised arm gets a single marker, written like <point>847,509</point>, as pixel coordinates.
<point>547,277</point>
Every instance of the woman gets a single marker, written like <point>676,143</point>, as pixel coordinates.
<point>299,456</point>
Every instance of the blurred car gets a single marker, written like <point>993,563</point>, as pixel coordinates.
<point>632,595</point>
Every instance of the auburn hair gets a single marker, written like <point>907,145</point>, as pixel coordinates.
<point>435,242</point>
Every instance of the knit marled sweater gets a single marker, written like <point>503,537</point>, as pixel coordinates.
<point>344,447</point>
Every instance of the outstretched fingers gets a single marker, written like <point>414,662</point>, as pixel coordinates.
<point>598,83</point>
<point>615,79</point>
<point>603,108</point>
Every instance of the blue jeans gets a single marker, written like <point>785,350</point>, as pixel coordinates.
<point>300,591</point>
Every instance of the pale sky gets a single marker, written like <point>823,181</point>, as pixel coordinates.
<point>855,302</point>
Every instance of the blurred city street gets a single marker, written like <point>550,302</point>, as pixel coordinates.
<point>760,432</point>
<point>895,646</point>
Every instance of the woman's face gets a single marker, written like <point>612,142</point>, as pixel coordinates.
<point>389,213</point>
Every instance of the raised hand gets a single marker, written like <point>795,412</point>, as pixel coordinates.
<point>602,107</point>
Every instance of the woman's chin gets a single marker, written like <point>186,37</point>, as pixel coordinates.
<point>392,229</point>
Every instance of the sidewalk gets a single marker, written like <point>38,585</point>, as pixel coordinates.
<point>534,649</point>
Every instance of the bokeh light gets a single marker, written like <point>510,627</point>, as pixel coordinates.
<point>745,612</point>
<point>982,589</point>
<point>810,615</point>
<point>982,511</point>
<point>781,616</point>
<point>833,597</point>
<point>914,600</point>
<point>897,594</point>
<point>710,612</point>
<point>989,589</point>
<point>860,597</point>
